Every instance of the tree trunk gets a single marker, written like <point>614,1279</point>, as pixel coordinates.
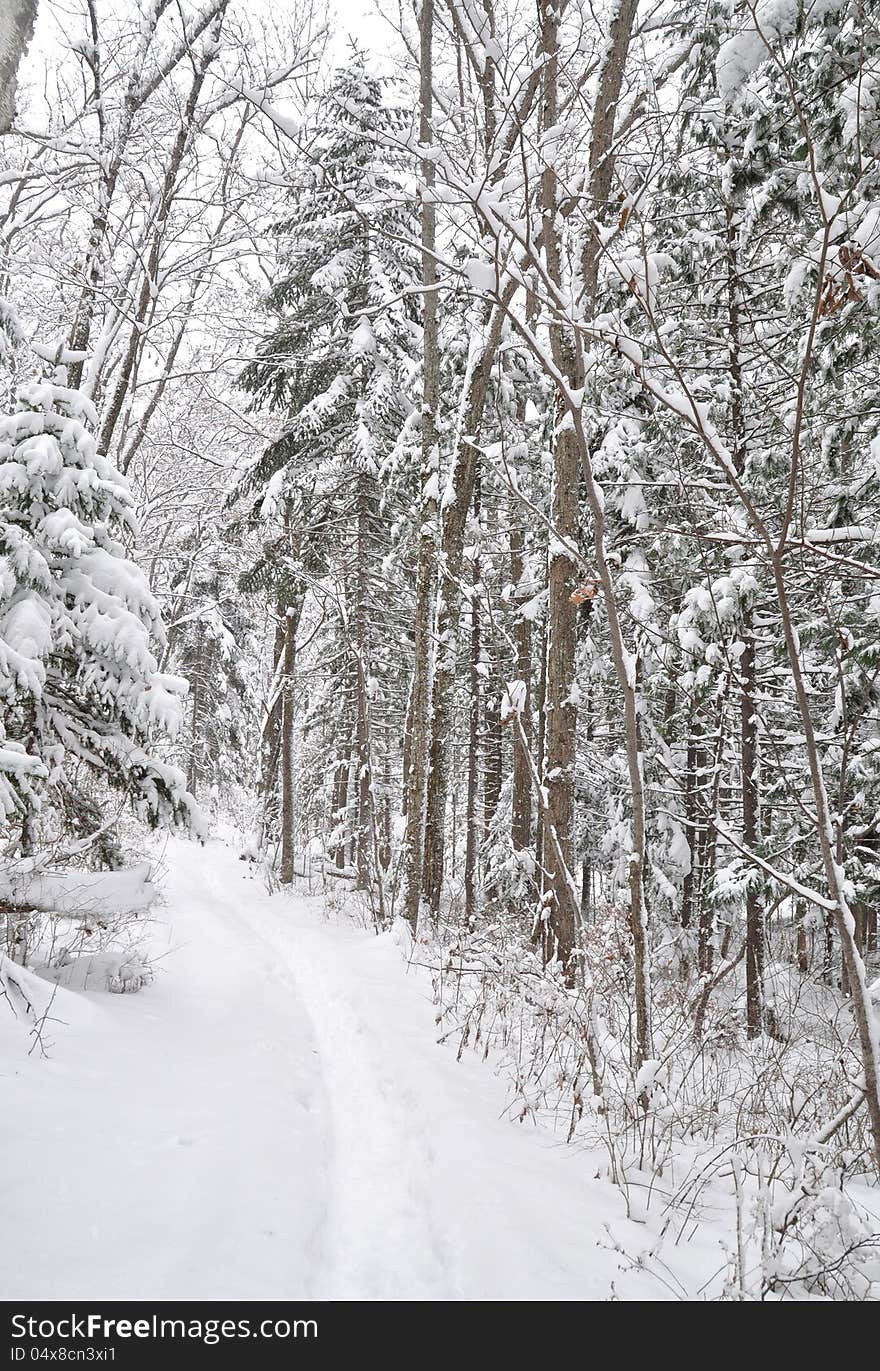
<point>754,910</point>
<point>689,882</point>
<point>364,830</point>
<point>561,913</point>
<point>270,739</point>
<point>521,799</point>
<point>194,749</point>
<point>492,777</point>
<point>803,959</point>
<point>340,806</point>
<point>748,701</point>
<point>430,495</point>
<point>288,774</point>
<point>17,19</point>
<point>540,716</point>
<point>561,712</point>
<point>472,822</point>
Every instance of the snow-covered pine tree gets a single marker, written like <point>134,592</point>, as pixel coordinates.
<point>337,363</point>
<point>208,639</point>
<point>79,680</point>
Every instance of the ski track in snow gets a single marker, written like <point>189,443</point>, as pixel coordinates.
<point>273,1118</point>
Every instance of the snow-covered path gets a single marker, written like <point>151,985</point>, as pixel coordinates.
<point>273,1118</point>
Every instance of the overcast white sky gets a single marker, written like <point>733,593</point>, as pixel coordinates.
<point>363,19</point>
<point>359,19</point>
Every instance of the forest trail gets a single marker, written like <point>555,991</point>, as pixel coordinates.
<point>273,1118</point>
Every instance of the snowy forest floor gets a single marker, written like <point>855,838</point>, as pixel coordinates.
<point>274,1118</point>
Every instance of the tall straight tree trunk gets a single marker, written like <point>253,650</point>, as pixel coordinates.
<point>706,851</point>
<point>540,716</point>
<point>587,859</point>
<point>521,799</point>
<point>493,775</point>
<point>340,803</point>
<point>420,702</point>
<point>748,701</point>
<point>493,736</point>
<point>689,883</point>
<point>754,910</point>
<point>270,738</point>
<point>288,757</point>
<point>602,162</point>
<point>385,829</point>
<point>561,908</point>
<point>472,819</point>
<point>364,826</point>
<point>803,956</point>
<point>560,709</point>
<point>406,750</point>
<point>571,460</point>
<point>194,749</point>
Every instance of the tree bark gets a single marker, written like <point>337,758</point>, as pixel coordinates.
<point>288,755</point>
<point>364,825</point>
<point>340,803</point>
<point>420,703</point>
<point>17,18</point>
<point>561,911</point>
<point>754,910</point>
<point>472,820</point>
<point>521,799</point>
<point>270,739</point>
<point>748,702</point>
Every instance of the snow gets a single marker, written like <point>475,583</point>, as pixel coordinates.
<point>363,340</point>
<point>481,275</point>
<point>850,533</point>
<point>514,701</point>
<point>770,21</point>
<point>641,271</point>
<point>13,758</point>
<point>273,1118</point>
<point>83,892</point>
<point>646,1075</point>
<point>26,627</point>
<point>162,700</point>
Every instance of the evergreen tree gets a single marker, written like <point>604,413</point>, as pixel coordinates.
<point>79,680</point>
<point>209,643</point>
<point>337,364</point>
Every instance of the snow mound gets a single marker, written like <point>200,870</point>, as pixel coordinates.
<point>31,1009</point>
<point>120,973</point>
<point>80,892</point>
